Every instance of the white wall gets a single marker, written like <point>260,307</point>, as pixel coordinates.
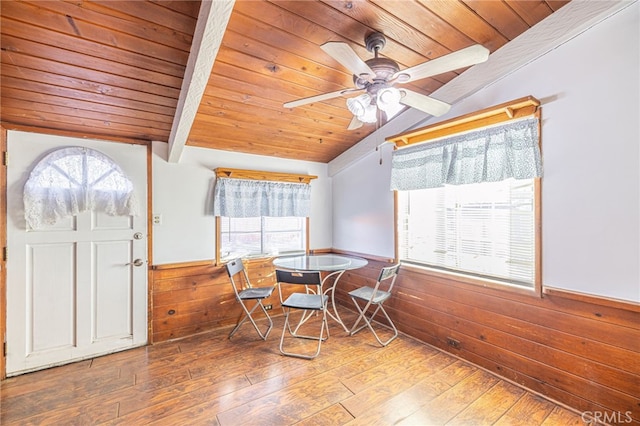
<point>182,194</point>
<point>363,221</point>
<point>591,186</point>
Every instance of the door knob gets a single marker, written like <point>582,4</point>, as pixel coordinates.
<point>137,262</point>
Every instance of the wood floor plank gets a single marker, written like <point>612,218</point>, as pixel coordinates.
<point>488,408</point>
<point>408,402</point>
<point>562,417</point>
<point>336,414</point>
<point>76,414</point>
<point>290,405</point>
<point>53,394</point>
<point>156,406</point>
<point>529,410</point>
<point>209,379</point>
<point>448,404</point>
<point>396,383</point>
<point>381,369</point>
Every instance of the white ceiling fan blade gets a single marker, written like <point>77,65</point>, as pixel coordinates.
<point>460,59</point>
<point>344,54</point>
<point>317,98</point>
<point>424,103</point>
<point>355,124</point>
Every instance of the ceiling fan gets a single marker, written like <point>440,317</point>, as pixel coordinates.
<point>378,76</point>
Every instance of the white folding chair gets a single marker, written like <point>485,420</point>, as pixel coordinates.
<point>311,300</point>
<point>375,296</point>
<point>245,293</point>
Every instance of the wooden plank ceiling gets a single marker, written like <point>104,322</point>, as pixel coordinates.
<point>114,69</point>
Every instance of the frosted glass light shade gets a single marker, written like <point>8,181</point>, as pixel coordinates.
<point>359,104</point>
<point>370,114</point>
<point>388,99</point>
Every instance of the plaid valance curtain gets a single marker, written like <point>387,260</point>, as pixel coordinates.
<point>254,198</point>
<point>487,155</point>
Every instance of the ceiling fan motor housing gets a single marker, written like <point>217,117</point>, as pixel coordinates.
<point>384,69</point>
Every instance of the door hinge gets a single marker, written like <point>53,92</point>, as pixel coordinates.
<point>5,158</point>
<point>4,349</point>
<point>5,253</point>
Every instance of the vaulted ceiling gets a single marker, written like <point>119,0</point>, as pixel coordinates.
<point>114,69</point>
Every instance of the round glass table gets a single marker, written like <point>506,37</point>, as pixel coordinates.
<point>335,264</point>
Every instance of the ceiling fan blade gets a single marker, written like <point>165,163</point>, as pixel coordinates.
<point>424,103</point>
<point>462,58</point>
<point>317,98</point>
<point>344,54</point>
<point>355,124</point>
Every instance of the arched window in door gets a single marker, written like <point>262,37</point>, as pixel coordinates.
<point>75,179</point>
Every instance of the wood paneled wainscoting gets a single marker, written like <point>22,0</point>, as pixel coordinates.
<point>580,351</point>
<point>191,298</point>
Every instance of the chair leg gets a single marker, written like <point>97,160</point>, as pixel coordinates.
<point>247,315</point>
<point>368,320</point>
<point>287,327</point>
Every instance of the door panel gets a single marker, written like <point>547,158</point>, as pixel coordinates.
<point>73,289</point>
<point>50,327</point>
<point>112,281</point>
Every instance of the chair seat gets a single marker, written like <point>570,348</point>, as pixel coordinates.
<point>305,301</point>
<point>256,293</point>
<point>365,293</point>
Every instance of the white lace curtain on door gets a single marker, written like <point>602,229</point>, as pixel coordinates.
<point>75,179</point>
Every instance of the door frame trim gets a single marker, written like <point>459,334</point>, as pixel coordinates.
<point>3,243</point>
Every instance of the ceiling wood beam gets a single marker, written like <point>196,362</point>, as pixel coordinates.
<point>212,23</point>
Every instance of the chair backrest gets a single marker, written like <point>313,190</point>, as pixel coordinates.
<point>289,278</point>
<point>299,277</point>
<point>235,267</point>
<point>386,274</point>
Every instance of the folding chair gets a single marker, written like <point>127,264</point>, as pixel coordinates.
<point>375,296</point>
<point>311,300</point>
<point>245,292</point>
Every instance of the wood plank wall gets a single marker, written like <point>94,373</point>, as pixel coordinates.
<point>580,353</point>
<point>191,299</point>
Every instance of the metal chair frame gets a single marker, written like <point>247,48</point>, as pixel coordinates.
<point>375,296</point>
<point>313,299</point>
<point>245,293</point>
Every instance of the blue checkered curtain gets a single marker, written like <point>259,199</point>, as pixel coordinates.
<point>255,198</point>
<point>490,154</point>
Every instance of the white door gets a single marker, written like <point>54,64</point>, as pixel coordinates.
<point>78,288</point>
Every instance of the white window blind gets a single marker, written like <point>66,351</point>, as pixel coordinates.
<point>484,229</point>
<point>258,236</point>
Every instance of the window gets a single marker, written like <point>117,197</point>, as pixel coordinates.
<point>468,194</point>
<point>483,229</point>
<point>260,213</point>
<point>75,179</point>
<point>261,236</point>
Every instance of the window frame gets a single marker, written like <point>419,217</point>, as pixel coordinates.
<point>509,111</point>
<point>257,175</point>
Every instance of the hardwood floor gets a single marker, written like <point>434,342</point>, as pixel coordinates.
<point>210,380</point>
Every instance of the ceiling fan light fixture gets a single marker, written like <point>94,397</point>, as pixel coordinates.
<point>359,104</point>
<point>370,114</point>
<point>388,99</point>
